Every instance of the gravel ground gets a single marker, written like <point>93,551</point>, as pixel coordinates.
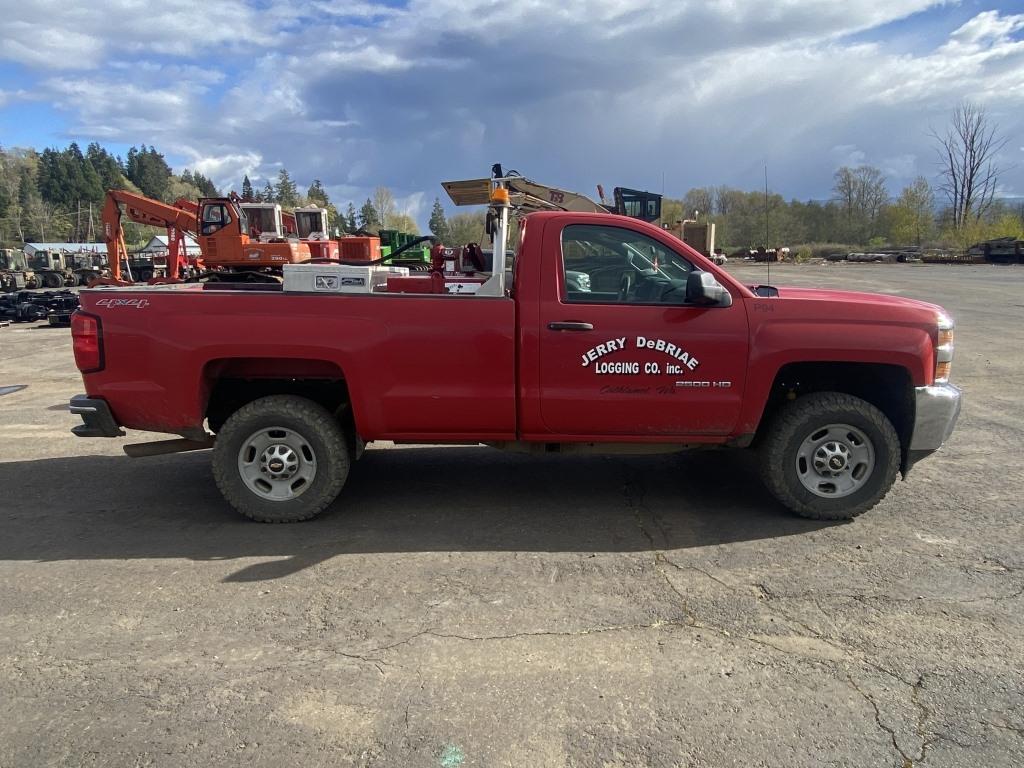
<point>463,607</point>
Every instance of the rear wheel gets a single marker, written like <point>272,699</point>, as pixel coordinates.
<point>281,459</point>
<point>830,456</point>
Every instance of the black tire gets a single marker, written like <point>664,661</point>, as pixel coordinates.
<point>320,431</point>
<point>799,420</point>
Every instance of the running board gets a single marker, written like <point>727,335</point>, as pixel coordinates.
<point>159,448</point>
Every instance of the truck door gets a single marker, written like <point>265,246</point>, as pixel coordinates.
<point>620,351</point>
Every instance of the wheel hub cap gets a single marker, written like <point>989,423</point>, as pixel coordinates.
<point>835,461</point>
<point>277,464</point>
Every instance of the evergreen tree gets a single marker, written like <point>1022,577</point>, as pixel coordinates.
<point>439,222</point>
<point>107,167</point>
<point>51,177</point>
<point>74,191</point>
<point>247,194</point>
<point>204,184</point>
<point>368,217</point>
<point>92,186</point>
<point>147,169</point>
<point>286,192</point>
<point>351,225</point>
<point>317,194</point>
<point>268,195</point>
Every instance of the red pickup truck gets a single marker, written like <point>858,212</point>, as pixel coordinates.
<point>608,335</point>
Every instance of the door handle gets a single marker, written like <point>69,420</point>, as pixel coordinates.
<point>565,326</point>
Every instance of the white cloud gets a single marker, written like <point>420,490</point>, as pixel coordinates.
<point>360,94</point>
<point>76,34</point>
<point>6,97</point>
<point>226,170</point>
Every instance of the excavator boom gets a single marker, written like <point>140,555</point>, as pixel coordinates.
<point>177,220</point>
<point>527,196</point>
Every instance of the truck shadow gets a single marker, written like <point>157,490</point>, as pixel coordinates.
<point>410,500</point>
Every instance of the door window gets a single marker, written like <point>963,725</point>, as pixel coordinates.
<point>215,216</point>
<point>613,265</point>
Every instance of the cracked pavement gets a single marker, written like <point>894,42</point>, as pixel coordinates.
<point>464,607</point>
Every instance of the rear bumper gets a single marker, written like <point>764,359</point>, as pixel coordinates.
<point>936,410</point>
<point>97,420</point>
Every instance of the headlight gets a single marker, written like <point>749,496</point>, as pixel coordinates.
<point>944,349</point>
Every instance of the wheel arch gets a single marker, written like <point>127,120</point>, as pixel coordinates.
<point>888,387</point>
<point>230,383</point>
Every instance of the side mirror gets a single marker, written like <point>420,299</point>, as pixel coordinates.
<point>703,290</point>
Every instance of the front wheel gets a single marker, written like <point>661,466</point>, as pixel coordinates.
<point>281,459</point>
<point>830,456</point>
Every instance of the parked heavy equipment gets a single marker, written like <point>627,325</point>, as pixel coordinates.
<point>311,223</point>
<point>15,273</point>
<point>87,267</point>
<point>268,222</point>
<point>219,224</point>
<point>1001,250</point>
<point>51,269</point>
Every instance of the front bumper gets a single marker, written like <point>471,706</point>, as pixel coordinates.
<point>936,410</point>
<point>97,419</point>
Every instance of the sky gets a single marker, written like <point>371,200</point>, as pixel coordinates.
<point>663,96</point>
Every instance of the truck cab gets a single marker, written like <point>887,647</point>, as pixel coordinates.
<point>15,273</point>
<point>311,223</point>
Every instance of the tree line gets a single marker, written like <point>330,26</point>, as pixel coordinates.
<point>57,194</point>
<point>860,213</point>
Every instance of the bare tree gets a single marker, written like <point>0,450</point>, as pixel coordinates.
<point>384,205</point>
<point>701,199</point>
<point>861,195</point>
<point>967,156</point>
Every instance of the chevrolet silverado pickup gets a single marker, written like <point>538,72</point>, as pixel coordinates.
<point>607,334</point>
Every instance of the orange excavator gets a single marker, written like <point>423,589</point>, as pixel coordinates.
<point>218,224</point>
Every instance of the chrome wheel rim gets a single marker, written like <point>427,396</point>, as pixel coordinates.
<point>835,461</point>
<point>277,464</point>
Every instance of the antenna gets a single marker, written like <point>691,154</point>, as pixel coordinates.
<point>767,257</point>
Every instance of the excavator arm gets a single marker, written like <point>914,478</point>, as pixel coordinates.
<point>527,196</point>
<point>178,220</point>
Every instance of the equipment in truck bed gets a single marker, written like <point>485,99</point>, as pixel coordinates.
<point>526,195</point>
